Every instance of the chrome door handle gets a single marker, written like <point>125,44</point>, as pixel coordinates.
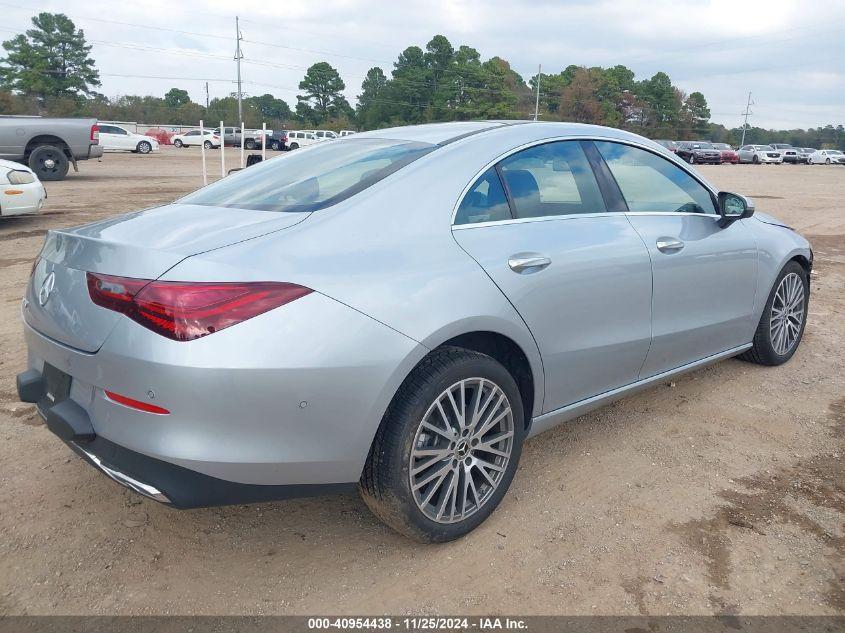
<point>669,245</point>
<point>528,262</point>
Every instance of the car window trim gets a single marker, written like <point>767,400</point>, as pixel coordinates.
<point>673,160</point>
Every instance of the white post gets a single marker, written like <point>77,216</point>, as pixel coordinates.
<point>222,150</point>
<point>537,102</point>
<point>264,140</point>
<point>202,150</point>
<point>243,134</point>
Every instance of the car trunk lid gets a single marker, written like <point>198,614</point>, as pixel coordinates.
<point>143,245</point>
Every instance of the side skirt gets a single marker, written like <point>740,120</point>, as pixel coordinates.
<point>558,416</point>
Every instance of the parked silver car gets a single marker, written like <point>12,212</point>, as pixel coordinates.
<point>397,310</point>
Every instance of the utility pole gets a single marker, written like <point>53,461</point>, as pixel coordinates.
<point>206,96</point>
<point>745,123</point>
<point>238,57</point>
<point>537,100</point>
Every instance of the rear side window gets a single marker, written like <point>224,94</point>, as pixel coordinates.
<point>652,183</point>
<point>551,179</point>
<point>313,178</point>
<point>485,201</point>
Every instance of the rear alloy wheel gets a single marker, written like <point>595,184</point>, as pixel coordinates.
<point>447,448</point>
<point>145,147</point>
<point>784,317</point>
<point>49,162</point>
<point>294,145</point>
<point>178,143</point>
<point>275,146</point>
<point>250,144</point>
<point>207,145</point>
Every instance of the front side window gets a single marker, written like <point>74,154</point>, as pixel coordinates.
<point>310,180</point>
<point>485,201</point>
<point>651,183</point>
<point>551,179</point>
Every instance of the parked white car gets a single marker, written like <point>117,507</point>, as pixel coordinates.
<point>323,135</point>
<point>21,192</point>
<point>116,138</point>
<point>827,157</point>
<point>759,154</point>
<point>194,137</point>
<point>301,138</point>
<point>347,132</point>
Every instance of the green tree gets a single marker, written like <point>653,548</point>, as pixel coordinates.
<point>372,108</point>
<point>176,97</point>
<point>271,107</point>
<point>50,60</point>
<point>322,86</point>
<point>695,114</point>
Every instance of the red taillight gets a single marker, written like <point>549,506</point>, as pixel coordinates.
<point>184,311</point>
<point>136,404</point>
<point>95,134</point>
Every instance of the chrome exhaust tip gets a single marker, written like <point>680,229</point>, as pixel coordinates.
<point>122,478</point>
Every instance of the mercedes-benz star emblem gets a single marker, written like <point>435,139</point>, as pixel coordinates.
<point>46,289</point>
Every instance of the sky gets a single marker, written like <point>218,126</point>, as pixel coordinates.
<point>790,54</point>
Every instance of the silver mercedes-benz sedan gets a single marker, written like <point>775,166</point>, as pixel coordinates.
<point>397,310</point>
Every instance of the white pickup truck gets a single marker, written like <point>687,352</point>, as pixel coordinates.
<point>47,145</point>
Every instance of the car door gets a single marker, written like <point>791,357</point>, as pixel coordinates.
<point>122,139</point>
<point>568,261</point>
<point>705,274</point>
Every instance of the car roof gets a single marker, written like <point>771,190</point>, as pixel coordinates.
<point>445,133</point>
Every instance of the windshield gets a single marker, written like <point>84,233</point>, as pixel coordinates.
<point>701,145</point>
<point>312,178</point>
<point>765,148</point>
<point>721,146</point>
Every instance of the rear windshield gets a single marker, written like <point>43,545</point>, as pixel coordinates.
<point>312,178</point>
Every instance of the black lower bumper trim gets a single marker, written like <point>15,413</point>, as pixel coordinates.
<point>70,422</point>
<point>30,386</point>
<point>186,488</point>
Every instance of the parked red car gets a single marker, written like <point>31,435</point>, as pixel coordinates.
<point>729,154</point>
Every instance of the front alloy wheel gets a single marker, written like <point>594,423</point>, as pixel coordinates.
<point>784,318</point>
<point>447,447</point>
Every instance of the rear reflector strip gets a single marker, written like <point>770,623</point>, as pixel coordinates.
<point>136,404</point>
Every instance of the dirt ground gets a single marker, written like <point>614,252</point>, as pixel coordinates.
<point>723,492</point>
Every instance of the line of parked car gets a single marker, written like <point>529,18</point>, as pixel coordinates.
<point>277,140</point>
<point>707,153</point>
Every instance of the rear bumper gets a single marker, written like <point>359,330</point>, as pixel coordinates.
<point>154,478</point>
<point>291,398</point>
<point>95,151</point>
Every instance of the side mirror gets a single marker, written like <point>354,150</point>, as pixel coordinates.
<point>733,206</point>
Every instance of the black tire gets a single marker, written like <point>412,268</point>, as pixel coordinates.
<point>691,159</point>
<point>208,144</point>
<point>294,145</point>
<point>385,482</point>
<point>762,351</point>
<point>275,146</point>
<point>49,162</point>
<point>178,143</point>
<point>250,144</point>
<point>144,147</point>
<point>827,162</point>
<point>756,159</point>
